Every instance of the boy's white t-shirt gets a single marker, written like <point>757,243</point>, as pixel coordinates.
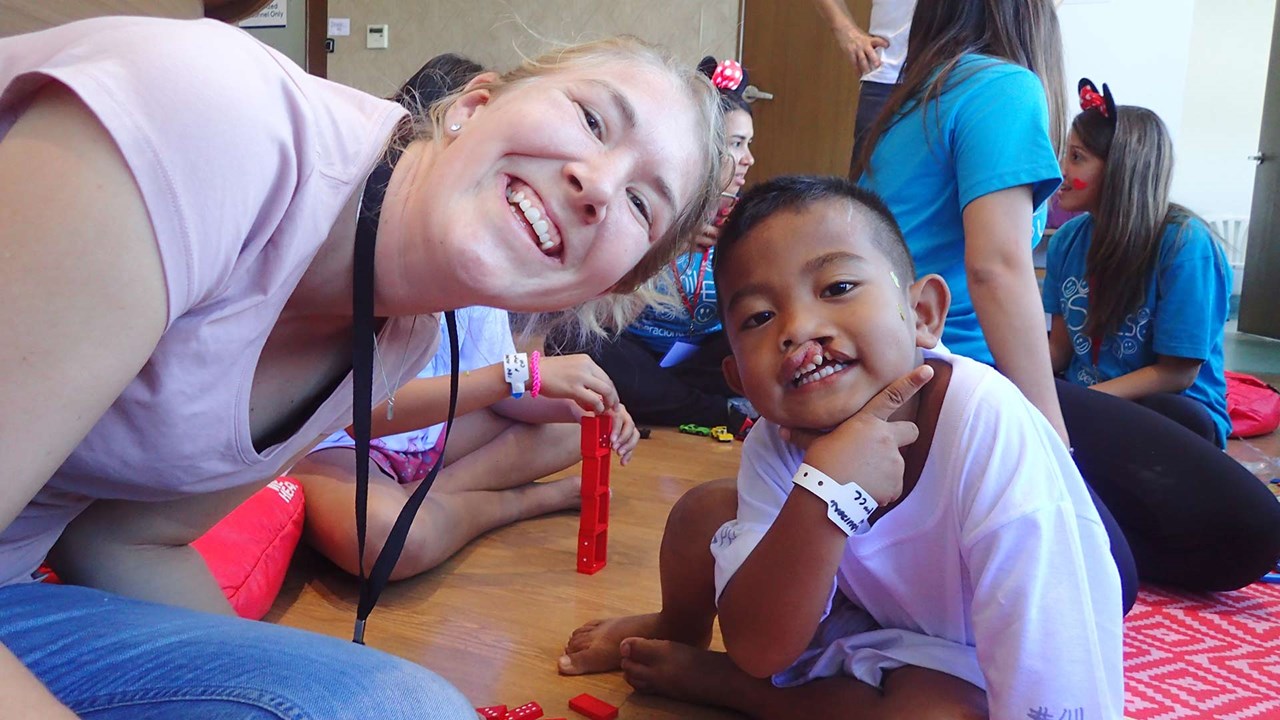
<point>998,547</point>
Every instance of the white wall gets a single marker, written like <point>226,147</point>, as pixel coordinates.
<point>1200,64</point>
<point>1140,48</point>
<point>1222,108</point>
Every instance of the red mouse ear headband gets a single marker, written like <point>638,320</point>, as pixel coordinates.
<point>728,75</point>
<point>1091,99</point>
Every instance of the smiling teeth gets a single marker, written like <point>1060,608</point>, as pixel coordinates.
<point>825,372</point>
<point>816,369</point>
<point>534,216</point>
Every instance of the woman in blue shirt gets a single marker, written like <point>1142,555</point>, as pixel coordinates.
<point>1137,287</point>
<point>965,155</point>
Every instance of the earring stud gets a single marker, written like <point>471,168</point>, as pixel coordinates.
<point>455,127</point>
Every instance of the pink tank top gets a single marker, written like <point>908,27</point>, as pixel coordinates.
<point>244,162</point>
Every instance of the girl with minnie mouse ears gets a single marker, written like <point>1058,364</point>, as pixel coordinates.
<point>1138,291</point>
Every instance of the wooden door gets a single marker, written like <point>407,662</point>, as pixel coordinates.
<point>788,50</point>
<point>1260,296</point>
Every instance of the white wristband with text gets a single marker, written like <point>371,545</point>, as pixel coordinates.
<point>848,506</point>
<point>515,368</point>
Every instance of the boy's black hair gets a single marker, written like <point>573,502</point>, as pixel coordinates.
<point>794,192</point>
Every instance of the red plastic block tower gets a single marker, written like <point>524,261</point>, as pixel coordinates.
<point>593,707</point>
<point>593,527</point>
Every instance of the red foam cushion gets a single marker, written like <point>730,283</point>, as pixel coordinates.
<point>249,550</point>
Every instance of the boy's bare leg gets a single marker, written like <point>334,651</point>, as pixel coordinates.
<point>487,487</point>
<point>687,573</point>
<point>682,672</point>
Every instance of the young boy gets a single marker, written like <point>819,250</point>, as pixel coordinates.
<point>966,574</point>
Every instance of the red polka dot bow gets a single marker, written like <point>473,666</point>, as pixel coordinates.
<point>1091,99</point>
<point>728,75</point>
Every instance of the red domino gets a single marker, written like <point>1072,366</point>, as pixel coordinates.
<point>593,707</point>
<point>528,711</point>
<point>493,712</point>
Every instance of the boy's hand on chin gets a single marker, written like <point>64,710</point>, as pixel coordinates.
<point>864,448</point>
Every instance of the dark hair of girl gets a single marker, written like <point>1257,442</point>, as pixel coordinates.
<point>1023,32</point>
<point>1133,210</point>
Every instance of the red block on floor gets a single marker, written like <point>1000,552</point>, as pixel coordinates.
<point>528,711</point>
<point>593,707</point>
<point>493,712</point>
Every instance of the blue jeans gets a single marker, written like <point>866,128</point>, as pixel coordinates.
<point>111,658</point>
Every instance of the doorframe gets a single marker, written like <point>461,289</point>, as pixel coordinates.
<point>316,33</point>
<point>1260,292</point>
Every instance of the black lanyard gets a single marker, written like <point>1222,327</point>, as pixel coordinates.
<point>362,406</point>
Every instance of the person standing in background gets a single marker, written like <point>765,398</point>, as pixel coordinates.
<point>878,54</point>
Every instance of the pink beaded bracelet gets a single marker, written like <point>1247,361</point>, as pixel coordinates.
<point>535,378</point>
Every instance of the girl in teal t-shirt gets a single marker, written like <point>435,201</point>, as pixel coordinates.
<point>1138,287</point>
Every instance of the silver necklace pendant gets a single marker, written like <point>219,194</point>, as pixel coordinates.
<point>391,407</point>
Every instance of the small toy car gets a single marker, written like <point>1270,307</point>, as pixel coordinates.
<point>691,429</point>
<point>721,433</point>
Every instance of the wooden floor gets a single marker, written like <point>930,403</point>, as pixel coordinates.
<point>494,619</point>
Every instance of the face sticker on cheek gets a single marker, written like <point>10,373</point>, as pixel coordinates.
<point>894,276</point>
<point>1079,184</point>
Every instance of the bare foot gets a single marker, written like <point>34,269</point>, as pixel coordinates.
<point>593,648</point>
<point>682,672</point>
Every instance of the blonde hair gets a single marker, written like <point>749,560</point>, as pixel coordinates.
<point>615,310</point>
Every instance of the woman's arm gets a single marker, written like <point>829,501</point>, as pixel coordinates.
<point>424,402</point>
<point>81,286</point>
<point>1059,345</point>
<point>1002,283</point>
<point>84,303</point>
<point>859,45</point>
<point>1168,375</point>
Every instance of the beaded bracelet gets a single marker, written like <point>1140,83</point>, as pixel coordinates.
<point>535,377</point>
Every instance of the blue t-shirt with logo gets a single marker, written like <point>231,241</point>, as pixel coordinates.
<point>660,328</point>
<point>987,131</point>
<point>1182,315</point>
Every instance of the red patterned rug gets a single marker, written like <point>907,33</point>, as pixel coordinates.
<point>1203,656</point>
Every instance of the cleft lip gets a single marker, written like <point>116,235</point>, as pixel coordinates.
<point>798,358</point>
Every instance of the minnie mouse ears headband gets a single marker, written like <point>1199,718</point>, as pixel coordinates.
<point>1091,99</point>
<point>726,75</point>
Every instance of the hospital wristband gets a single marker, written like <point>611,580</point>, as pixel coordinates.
<point>515,370</point>
<point>848,505</point>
